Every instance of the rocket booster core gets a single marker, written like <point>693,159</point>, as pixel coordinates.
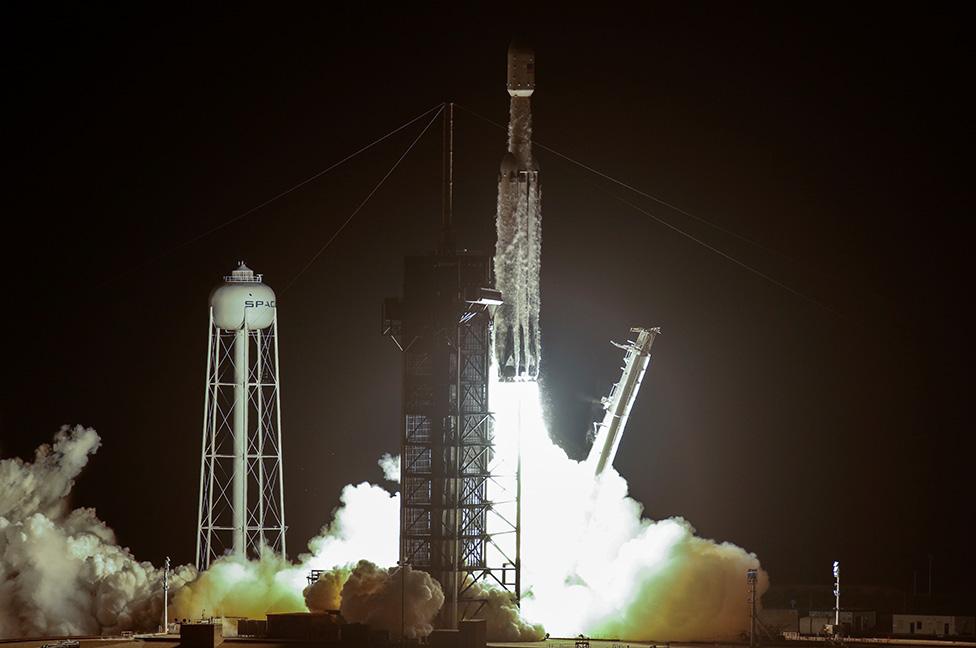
<point>518,250</point>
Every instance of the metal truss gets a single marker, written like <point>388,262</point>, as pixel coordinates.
<point>241,448</point>
<point>458,517</point>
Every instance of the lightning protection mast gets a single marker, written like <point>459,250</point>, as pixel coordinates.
<point>836,593</point>
<point>242,502</point>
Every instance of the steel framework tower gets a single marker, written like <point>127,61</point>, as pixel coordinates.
<point>449,524</point>
<point>242,507</point>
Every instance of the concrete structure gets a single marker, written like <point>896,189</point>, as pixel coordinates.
<point>252,627</point>
<point>201,635</point>
<point>242,507</point>
<point>474,633</point>
<point>310,626</point>
<point>444,638</point>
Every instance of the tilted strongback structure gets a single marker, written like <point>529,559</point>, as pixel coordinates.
<point>617,405</point>
<point>450,496</point>
<point>242,505</point>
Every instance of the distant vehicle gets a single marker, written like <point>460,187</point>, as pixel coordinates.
<point>64,643</point>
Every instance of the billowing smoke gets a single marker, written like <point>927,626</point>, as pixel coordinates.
<point>235,587</point>
<point>591,563</point>
<point>325,594</point>
<point>380,597</point>
<point>360,530</point>
<point>390,464</point>
<point>502,617</point>
<point>61,571</point>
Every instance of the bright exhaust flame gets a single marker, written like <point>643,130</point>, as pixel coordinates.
<point>592,564</point>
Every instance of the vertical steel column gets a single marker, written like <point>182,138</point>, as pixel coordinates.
<point>260,431</point>
<point>281,464</point>
<point>239,495</point>
<point>203,450</point>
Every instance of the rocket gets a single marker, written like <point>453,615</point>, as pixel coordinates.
<point>621,399</point>
<point>517,337</point>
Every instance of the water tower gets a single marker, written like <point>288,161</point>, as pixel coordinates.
<point>242,503</point>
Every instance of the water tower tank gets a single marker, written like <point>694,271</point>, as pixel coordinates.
<point>243,301</point>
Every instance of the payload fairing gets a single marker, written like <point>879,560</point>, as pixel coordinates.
<point>517,338</point>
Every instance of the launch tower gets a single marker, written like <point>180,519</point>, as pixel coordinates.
<point>450,523</point>
<point>242,506</point>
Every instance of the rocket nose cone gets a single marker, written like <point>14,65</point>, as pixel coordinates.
<point>521,70</point>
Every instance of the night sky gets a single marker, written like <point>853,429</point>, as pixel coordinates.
<point>833,425</point>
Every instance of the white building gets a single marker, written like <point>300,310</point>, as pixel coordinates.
<point>932,625</point>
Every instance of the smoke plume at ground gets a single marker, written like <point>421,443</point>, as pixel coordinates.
<point>61,570</point>
<point>360,530</point>
<point>590,562</point>
<point>380,597</point>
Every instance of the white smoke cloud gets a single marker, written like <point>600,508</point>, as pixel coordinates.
<point>61,571</point>
<point>236,587</point>
<point>504,621</point>
<point>360,530</point>
<point>391,467</point>
<point>591,563</point>
<point>380,597</point>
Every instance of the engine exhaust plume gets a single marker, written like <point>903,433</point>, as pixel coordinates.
<point>593,564</point>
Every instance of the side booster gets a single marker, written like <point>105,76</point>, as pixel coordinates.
<point>621,399</point>
<point>518,251</point>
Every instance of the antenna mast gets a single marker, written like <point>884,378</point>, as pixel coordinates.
<point>166,596</point>
<point>447,194</point>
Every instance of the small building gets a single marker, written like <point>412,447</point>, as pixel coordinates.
<point>854,621</point>
<point>444,638</point>
<point>474,633</point>
<point>252,628</point>
<point>201,635</point>
<point>932,625</point>
<point>814,625</point>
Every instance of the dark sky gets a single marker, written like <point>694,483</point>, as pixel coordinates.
<point>836,137</point>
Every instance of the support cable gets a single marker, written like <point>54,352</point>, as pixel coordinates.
<point>311,178</point>
<point>637,191</point>
<point>365,200</point>
<point>670,226</point>
<point>719,252</point>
